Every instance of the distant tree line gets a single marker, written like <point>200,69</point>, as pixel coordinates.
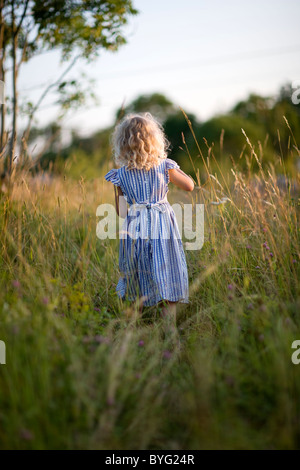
<point>262,119</point>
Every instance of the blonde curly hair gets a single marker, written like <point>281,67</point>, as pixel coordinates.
<point>139,141</point>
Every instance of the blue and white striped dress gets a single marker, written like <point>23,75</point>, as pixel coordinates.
<point>151,256</point>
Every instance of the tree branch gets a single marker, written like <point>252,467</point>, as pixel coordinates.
<point>27,130</point>
<point>23,52</point>
<point>22,18</point>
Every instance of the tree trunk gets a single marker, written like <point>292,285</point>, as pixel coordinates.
<point>15,95</point>
<point>2,76</point>
<point>3,112</point>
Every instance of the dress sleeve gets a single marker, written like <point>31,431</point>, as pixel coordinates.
<point>170,164</point>
<point>113,177</point>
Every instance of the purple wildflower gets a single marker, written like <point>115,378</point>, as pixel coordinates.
<point>141,343</point>
<point>45,300</point>
<point>271,254</point>
<point>230,286</point>
<point>86,339</point>
<point>26,434</point>
<point>229,380</point>
<point>167,354</point>
<point>16,284</point>
<point>287,321</point>
<point>101,339</point>
<point>15,329</point>
<point>97,309</point>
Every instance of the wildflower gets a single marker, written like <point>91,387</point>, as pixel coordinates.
<point>250,306</point>
<point>101,339</point>
<point>141,343</point>
<point>230,297</point>
<point>167,354</point>
<point>110,401</point>
<point>271,254</point>
<point>86,339</point>
<point>15,329</point>
<point>257,267</point>
<point>294,261</point>
<point>97,309</point>
<point>229,380</point>
<point>137,376</point>
<point>248,247</point>
<point>264,229</point>
<point>230,286</point>
<point>26,434</point>
<point>265,245</point>
<point>16,284</point>
<point>45,300</point>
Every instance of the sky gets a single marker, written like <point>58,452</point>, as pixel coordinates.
<point>204,55</point>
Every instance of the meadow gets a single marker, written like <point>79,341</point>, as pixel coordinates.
<point>87,371</point>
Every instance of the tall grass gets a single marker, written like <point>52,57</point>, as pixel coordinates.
<point>86,371</point>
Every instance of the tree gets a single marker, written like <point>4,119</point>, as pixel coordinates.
<point>79,28</point>
<point>156,104</point>
<point>268,113</point>
<point>175,125</point>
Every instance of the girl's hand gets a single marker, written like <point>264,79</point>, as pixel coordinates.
<point>121,204</point>
<point>180,179</point>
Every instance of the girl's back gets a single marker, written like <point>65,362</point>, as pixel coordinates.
<point>151,256</point>
<point>140,185</point>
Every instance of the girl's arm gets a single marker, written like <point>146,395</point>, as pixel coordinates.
<point>180,179</point>
<point>121,204</point>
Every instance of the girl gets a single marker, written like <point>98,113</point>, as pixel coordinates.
<point>151,256</point>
